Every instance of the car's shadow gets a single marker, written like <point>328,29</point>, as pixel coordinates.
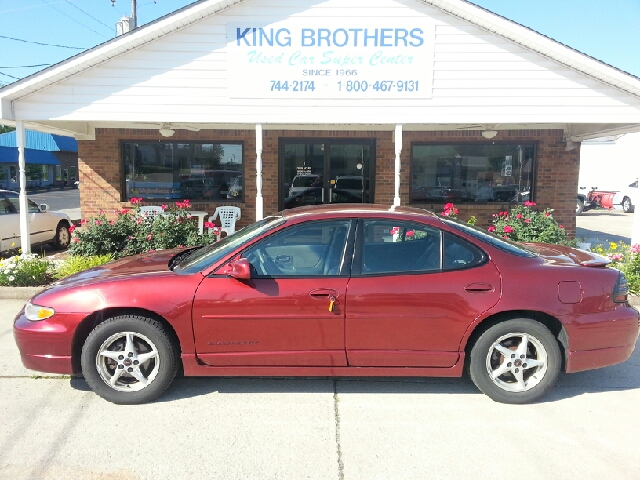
<point>625,376</point>
<point>595,236</point>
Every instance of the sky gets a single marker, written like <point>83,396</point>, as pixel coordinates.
<point>45,32</point>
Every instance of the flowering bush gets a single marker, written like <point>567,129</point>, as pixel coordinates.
<point>24,270</point>
<point>449,210</point>
<point>625,258</point>
<point>524,224</point>
<point>132,232</point>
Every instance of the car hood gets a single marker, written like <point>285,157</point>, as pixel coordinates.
<point>563,255</point>
<point>61,215</point>
<point>136,265</point>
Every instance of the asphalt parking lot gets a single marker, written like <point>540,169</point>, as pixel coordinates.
<point>53,427</point>
<point>598,226</point>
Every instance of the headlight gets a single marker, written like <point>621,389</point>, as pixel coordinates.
<point>37,312</point>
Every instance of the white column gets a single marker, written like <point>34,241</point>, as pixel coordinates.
<point>259,199</point>
<point>635,229</point>
<point>25,244</point>
<point>396,198</point>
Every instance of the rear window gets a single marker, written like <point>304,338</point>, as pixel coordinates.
<point>491,239</point>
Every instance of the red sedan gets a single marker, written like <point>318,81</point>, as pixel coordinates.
<point>356,290</point>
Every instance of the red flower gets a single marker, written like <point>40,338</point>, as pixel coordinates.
<point>125,211</point>
<point>209,225</point>
<point>507,229</point>
<point>394,230</point>
<point>519,215</point>
<point>410,233</point>
<point>164,207</point>
<point>492,228</point>
<point>448,206</point>
<point>527,220</point>
<point>135,200</point>
<point>72,228</point>
<point>529,204</point>
<point>546,214</point>
<point>561,226</point>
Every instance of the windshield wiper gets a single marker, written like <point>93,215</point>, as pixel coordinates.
<point>179,257</point>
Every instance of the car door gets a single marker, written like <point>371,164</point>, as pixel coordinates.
<point>9,225</point>
<point>41,227</point>
<point>414,291</point>
<point>291,311</point>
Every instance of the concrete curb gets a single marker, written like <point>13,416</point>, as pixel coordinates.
<point>19,293</point>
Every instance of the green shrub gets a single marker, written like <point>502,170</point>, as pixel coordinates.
<point>523,224</point>
<point>74,264</point>
<point>625,258</point>
<point>25,270</point>
<point>132,233</point>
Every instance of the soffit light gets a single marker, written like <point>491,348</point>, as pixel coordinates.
<point>489,133</point>
<point>166,131</point>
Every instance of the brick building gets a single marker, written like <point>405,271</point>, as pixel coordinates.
<point>270,105</point>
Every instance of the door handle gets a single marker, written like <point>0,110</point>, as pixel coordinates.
<point>322,293</point>
<point>479,288</point>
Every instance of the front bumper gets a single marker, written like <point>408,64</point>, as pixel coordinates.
<point>47,345</point>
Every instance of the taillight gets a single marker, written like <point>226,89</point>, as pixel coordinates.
<point>621,289</point>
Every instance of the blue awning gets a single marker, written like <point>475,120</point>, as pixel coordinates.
<point>32,157</point>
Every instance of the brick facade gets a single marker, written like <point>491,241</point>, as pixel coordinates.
<point>101,170</point>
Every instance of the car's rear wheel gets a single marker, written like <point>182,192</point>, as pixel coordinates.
<point>62,238</point>
<point>129,359</point>
<point>516,361</point>
<point>627,206</point>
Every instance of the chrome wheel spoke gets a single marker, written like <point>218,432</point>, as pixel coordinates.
<point>532,363</point>
<point>143,357</point>
<point>116,375</point>
<point>130,347</point>
<point>110,354</point>
<point>518,374</point>
<point>524,344</point>
<point>500,370</point>
<point>503,350</point>
<point>137,374</point>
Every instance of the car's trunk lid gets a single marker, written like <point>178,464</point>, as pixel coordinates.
<point>563,255</point>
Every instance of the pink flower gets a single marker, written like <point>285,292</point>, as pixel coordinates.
<point>111,222</point>
<point>394,230</point>
<point>125,211</point>
<point>507,229</point>
<point>98,222</point>
<point>519,215</point>
<point>72,228</point>
<point>76,240</point>
<point>504,236</point>
<point>448,206</point>
<point>635,248</point>
<point>492,228</point>
<point>180,246</point>
<point>151,251</point>
<point>130,237</point>
<point>135,200</point>
<point>410,233</point>
<point>82,222</point>
<point>546,214</point>
<point>149,237</point>
<point>529,204</point>
<point>561,226</point>
<point>209,225</point>
<point>527,220</point>
<point>164,207</point>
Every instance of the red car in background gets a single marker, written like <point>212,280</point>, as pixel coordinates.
<point>350,290</point>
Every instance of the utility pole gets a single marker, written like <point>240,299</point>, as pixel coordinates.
<point>134,13</point>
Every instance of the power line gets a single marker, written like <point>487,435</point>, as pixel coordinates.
<point>78,22</point>
<point>89,15</point>
<point>40,43</point>
<point>10,76</point>
<point>29,66</point>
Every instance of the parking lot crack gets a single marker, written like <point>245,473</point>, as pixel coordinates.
<point>336,412</point>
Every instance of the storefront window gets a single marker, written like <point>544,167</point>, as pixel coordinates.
<point>471,173</point>
<point>195,171</point>
<point>58,172</point>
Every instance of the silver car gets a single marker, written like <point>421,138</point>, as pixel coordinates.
<point>44,226</point>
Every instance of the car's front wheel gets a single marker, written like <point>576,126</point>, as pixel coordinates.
<point>516,361</point>
<point>627,206</point>
<point>129,359</point>
<point>62,238</point>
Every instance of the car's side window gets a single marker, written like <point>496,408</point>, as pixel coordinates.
<point>308,249</point>
<point>14,199</point>
<point>391,247</point>
<point>459,253</point>
<point>6,208</point>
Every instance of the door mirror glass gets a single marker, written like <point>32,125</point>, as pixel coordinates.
<point>43,207</point>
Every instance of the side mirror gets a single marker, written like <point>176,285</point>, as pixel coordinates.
<point>239,269</point>
<point>43,207</point>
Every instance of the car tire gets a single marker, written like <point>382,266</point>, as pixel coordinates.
<point>143,371</point>
<point>501,361</point>
<point>62,238</point>
<point>627,206</point>
<point>579,206</point>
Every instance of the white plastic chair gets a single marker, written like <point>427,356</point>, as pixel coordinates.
<point>151,210</point>
<point>228,217</point>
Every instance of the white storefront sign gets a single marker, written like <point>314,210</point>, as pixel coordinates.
<point>298,60</point>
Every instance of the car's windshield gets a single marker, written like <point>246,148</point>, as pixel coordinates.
<point>493,240</point>
<point>201,258</point>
